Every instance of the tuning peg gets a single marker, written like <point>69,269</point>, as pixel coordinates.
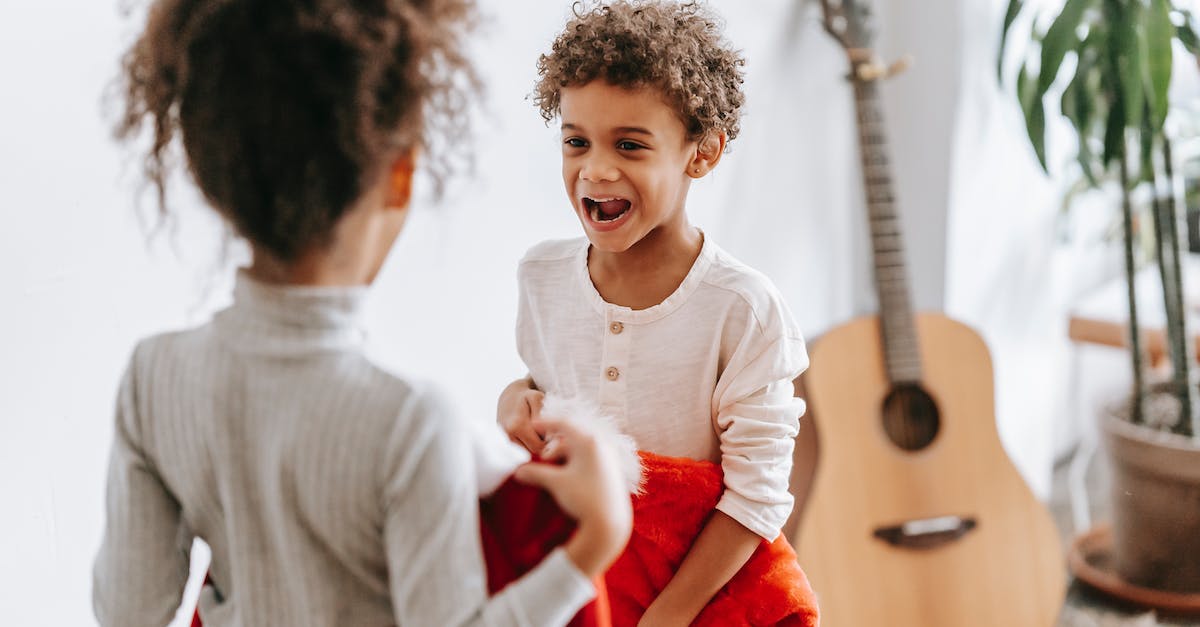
<point>873,69</point>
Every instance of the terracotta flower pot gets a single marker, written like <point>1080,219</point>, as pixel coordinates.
<point>1156,506</point>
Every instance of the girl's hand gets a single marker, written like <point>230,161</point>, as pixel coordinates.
<point>519,406</point>
<point>589,487</point>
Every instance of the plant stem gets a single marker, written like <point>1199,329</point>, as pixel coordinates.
<point>1135,341</point>
<point>1182,348</point>
<point>1163,213</point>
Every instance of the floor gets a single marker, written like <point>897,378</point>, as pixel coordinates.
<point>1085,607</point>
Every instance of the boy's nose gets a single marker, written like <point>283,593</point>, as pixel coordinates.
<point>598,170</point>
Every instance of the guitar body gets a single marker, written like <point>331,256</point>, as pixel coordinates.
<point>1006,571</point>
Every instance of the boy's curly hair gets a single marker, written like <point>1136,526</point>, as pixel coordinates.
<point>675,48</point>
<point>288,109</point>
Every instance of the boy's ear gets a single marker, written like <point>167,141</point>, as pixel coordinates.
<point>708,153</point>
<point>400,179</point>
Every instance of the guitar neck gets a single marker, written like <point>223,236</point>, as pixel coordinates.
<point>901,355</point>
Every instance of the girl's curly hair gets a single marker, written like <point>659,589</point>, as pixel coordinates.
<point>675,48</point>
<point>288,109</point>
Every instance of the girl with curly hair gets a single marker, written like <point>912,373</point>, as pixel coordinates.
<point>330,491</point>
<point>691,351</point>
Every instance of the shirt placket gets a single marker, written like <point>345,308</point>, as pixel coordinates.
<point>614,365</point>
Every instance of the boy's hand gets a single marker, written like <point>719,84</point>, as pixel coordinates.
<point>518,408</point>
<point>589,487</point>
<point>655,616</point>
<point>719,552</point>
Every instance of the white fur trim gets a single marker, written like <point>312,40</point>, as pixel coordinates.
<point>582,412</point>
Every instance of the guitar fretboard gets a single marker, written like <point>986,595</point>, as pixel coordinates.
<point>901,354</point>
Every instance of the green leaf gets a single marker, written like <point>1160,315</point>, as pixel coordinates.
<point>1070,104</point>
<point>1114,131</point>
<point>1186,32</point>
<point>1026,85</point>
<point>1063,35</point>
<point>1158,32</point>
<point>1076,98</point>
<point>1081,118</point>
<point>1086,100</point>
<point>1036,124</point>
<point>1146,158</point>
<point>1129,44</point>
<point>1034,112</point>
<point>1087,162</point>
<point>1078,108</point>
<point>1014,8</point>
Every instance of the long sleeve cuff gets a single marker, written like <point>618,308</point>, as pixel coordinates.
<point>556,579</point>
<point>764,520</point>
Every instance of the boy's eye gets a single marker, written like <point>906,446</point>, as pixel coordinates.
<point>575,142</point>
<point>628,145</point>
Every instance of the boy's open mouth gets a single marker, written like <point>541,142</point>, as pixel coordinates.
<point>606,209</point>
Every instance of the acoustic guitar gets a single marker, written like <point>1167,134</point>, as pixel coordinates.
<point>915,516</point>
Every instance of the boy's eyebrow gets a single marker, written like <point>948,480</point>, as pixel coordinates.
<point>567,126</point>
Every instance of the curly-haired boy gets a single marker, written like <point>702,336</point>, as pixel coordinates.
<point>693,352</point>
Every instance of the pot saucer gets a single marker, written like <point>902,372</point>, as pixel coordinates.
<point>1091,561</point>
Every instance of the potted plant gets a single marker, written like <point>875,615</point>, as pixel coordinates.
<point>1107,64</point>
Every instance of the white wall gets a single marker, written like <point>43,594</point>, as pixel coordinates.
<point>922,107</point>
<point>79,289</point>
<point>82,284</point>
<point>792,200</point>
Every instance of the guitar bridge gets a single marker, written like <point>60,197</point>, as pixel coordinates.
<point>926,533</point>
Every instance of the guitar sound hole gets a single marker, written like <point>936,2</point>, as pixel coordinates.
<point>910,417</point>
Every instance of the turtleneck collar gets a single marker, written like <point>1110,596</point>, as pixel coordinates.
<point>291,320</point>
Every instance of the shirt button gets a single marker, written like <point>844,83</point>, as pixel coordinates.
<point>613,374</point>
<point>616,328</point>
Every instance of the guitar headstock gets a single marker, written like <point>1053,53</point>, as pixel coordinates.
<point>849,22</point>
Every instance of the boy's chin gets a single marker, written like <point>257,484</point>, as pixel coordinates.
<point>609,242</point>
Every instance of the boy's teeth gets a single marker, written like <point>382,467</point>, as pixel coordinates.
<point>605,209</point>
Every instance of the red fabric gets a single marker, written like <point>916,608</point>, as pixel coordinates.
<point>519,526</point>
<point>680,495</point>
